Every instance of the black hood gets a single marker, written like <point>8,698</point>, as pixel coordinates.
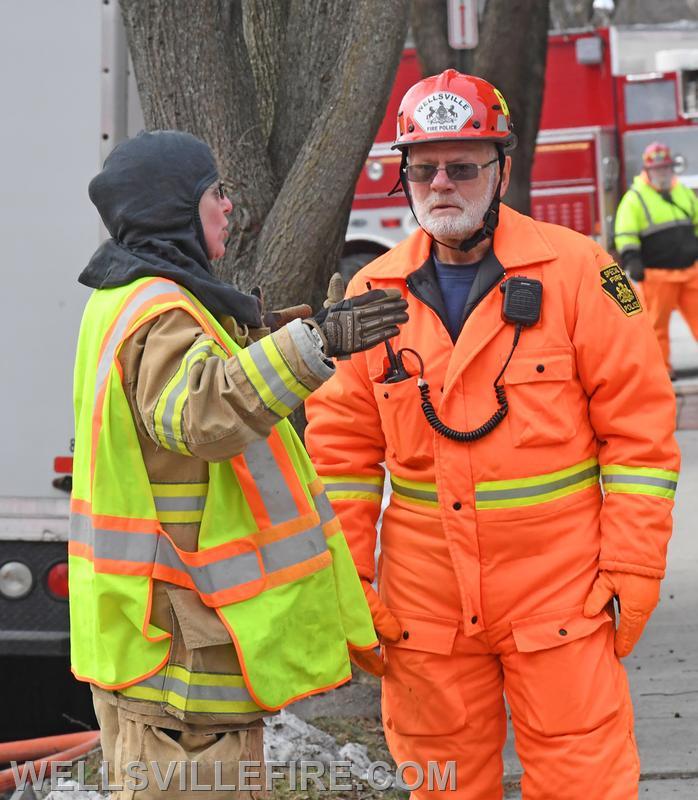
<point>148,197</point>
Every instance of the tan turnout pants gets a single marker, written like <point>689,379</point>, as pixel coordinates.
<point>145,762</point>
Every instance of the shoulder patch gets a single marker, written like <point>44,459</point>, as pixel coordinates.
<point>617,286</point>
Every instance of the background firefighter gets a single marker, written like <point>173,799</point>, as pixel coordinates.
<point>499,419</point>
<point>656,234</point>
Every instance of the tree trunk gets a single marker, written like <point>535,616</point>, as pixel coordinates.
<point>429,23</point>
<point>511,54</point>
<point>289,94</point>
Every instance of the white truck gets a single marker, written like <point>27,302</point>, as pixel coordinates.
<point>49,141</point>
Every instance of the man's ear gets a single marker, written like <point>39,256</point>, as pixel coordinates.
<point>506,175</point>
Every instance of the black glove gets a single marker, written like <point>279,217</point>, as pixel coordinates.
<point>634,267</point>
<point>359,323</point>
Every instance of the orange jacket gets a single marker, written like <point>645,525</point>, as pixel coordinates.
<point>516,523</point>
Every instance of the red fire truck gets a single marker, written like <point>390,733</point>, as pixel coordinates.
<point>608,93</point>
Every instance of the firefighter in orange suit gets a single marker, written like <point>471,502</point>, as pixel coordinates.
<point>527,430</point>
<point>657,238</point>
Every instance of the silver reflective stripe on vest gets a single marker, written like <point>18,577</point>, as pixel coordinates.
<point>176,391</point>
<point>193,691</point>
<point>538,489</point>
<point>226,573</point>
<point>663,226</point>
<point>643,204</point>
<point>275,494</point>
<point>123,320</point>
<point>195,503</point>
<point>324,507</point>
<point>647,480</point>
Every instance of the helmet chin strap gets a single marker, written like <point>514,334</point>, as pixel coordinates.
<point>489,221</point>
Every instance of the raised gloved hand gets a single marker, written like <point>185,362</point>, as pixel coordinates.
<point>277,318</point>
<point>335,290</point>
<point>638,596</point>
<point>387,627</point>
<point>359,323</point>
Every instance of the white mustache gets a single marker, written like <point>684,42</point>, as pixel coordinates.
<point>432,203</point>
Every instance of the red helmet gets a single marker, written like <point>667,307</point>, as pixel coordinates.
<point>657,155</point>
<point>454,107</point>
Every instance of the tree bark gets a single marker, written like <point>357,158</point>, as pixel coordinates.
<point>289,94</point>
<point>429,23</point>
<point>178,50</point>
<point>512,54</point>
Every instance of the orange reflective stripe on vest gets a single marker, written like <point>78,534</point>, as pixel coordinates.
<point>220,575</point>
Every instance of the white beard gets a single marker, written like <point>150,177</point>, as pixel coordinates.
<point>455,226</point>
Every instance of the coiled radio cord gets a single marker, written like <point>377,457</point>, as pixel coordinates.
<point>487,427</point>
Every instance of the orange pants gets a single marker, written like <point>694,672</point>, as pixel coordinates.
<point>665,290</point>
<point>570,707</point>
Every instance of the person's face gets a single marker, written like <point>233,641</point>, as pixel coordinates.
<point>214,209</point>
<point>453,210</point>
<point>661,177</point>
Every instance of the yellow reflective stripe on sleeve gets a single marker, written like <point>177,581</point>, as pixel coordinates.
<point>353,487</point>
<point>179,503</point>
<point>167,418</point>
<point>537,489</point>
<point>639,480</point>
<point>272,378</point>
<point>195,691</point>
<point>418,492</point>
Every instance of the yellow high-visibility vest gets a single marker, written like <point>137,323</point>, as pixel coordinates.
<point>271,560</point>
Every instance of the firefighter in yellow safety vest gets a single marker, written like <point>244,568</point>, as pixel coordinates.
<point>656,235</point>
<point>210,581</point>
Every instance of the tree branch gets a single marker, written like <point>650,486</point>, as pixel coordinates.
<point>264,25</point>
<point>513,57</point>
<point>314,38</point>
<point>299,233</point>
<point>429,23</point>
<point>183,54</point>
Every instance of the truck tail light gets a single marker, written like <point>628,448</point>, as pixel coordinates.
<point>16,580</point>
<point>57,580</point>
<point>391,222</point>
<point>63,464</point>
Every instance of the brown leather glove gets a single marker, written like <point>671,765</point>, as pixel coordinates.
<point>387,627</point>
<point>277,318</point>
<point>335,290</point>
<point>359,323</point>
<point>637,595</point>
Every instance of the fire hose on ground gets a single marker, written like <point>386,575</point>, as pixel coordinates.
<point>63,747</point>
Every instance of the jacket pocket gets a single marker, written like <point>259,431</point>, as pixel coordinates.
<point>568,674</point>
<point>408,436</point>
<point>422,685</point>
<point>537,386</point>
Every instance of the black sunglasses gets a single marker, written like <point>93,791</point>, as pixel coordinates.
<point>221,190</point>
<point>425,173</point>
